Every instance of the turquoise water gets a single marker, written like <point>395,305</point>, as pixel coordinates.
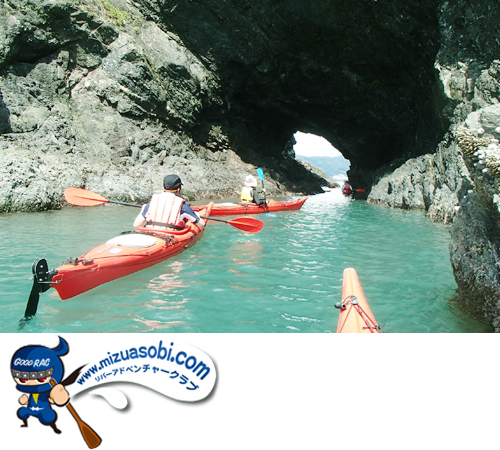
<point>285,279</point>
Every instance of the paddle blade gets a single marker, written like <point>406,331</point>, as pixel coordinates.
<point>247,224</point>
<point>261,174</point>
<point>91,438</point>
<point>82,197</point>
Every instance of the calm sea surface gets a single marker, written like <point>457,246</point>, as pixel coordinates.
<point>285,279</point>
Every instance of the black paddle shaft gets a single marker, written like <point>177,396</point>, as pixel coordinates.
<point>124,204</point>
<point>217,220</point>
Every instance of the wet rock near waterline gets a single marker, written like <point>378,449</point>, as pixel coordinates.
<point>475,259</point>
<point>475,247</point>
<point>420,183</point>
<point>459,184</point>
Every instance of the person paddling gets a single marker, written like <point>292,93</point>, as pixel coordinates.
<point>166,210</point>
<point>249,192</point>
<point>347,188</point>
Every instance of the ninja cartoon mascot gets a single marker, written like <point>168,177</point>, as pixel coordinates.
<point>38,371</point>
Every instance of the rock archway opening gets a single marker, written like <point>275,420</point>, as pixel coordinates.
<point>320,153</point>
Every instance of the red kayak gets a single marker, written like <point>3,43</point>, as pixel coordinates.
<point>124,255</point>
<point>251,208</point>
<point>355,193</point>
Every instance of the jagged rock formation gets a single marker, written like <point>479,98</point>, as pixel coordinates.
<point>113,94</point>
<point>458,183</point>
<point>92,94</point>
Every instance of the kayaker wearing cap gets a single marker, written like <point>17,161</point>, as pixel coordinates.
<point>249,192</point>
<point>347,188</point>
<point>166,210</point>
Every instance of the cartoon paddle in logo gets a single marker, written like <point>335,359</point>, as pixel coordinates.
<point>38,372</point>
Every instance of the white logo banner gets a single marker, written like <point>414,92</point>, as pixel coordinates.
<point>174,369</point>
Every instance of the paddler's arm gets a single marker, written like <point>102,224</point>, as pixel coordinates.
<point>256,199</point>
<point>140,220</point>
<point>188,213</point>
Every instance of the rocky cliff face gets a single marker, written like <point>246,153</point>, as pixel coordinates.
<point>459,182</point>
<point>98,95</point>
<point>113,94</point>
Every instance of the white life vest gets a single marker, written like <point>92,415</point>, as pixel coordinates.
<point>164,208</point>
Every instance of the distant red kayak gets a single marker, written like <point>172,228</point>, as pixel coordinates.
<point>251,208</point>
<point>355,193</point>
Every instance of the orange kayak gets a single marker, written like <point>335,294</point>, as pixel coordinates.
<point>251,208</point>
<point>124,255</point>
<point>355,314</point>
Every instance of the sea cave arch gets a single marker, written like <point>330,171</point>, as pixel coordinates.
<point>362,76</point>
<point>318,152</point>
<point>188,81</point>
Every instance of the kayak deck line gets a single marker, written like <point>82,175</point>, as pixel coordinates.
<point>355,313</point>
<point>43,276</point>
<point>169,241</point>
<point>353,303</point>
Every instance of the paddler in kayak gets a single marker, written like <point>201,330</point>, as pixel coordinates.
<point>347,188</point>
<point>249,192</point>
<point>166,210</point>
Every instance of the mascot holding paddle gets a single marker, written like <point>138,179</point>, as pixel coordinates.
<point>38,371</point>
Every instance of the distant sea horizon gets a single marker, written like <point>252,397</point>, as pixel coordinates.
<point>335,167</point>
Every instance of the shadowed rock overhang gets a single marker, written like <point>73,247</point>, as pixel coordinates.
<point>361,74</point>
<point>149,84</point>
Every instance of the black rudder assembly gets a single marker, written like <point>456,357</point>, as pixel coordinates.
<point>42,279</point>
